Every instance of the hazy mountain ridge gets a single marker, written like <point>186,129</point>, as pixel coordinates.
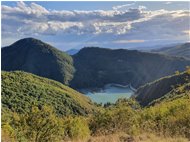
<point>182,50</point>
<point>72,51</point>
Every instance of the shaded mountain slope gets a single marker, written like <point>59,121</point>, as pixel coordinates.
<point>163,88</point>
<point>22,90</point>
<point>181,91</point>
<point>96,67</point>
<point>180,50</point>
<point>34,56</point>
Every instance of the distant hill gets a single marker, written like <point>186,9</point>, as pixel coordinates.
<point>163,88</point>
<point>96,67</point>
<point>72,51</point>
<point>148,47</point>
<point>34,56</point>
<point>21,90</point>
<point>182,50</point>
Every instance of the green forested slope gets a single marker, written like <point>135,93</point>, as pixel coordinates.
<point>21,91</point>
<point>34,56</point>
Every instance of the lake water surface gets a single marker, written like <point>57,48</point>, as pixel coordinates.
<point>110,93</point>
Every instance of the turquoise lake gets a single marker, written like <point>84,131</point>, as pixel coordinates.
<point>109,93</point>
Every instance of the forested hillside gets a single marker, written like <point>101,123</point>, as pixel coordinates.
<point>96,67</point>
<point>20,91</point>
<point>34,56</point>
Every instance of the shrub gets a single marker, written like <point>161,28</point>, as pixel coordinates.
<point>114,119</point>
<point>40,125</point>
<point>169,118</point>
<point>76,128</point>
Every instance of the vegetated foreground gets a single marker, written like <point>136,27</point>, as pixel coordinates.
<point>167,119</point>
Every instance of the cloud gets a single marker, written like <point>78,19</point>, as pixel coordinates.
<point>36,19</point>
<point>123,6</point>
<point>169,2</point>
<point>187,32</point>
<point>131,25</point>
<point>129,41</point>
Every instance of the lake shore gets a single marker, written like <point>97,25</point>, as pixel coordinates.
<point>109,93</point>
<point>94,90</point>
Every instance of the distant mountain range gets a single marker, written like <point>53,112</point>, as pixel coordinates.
<point>182,50</point>
<point>72,51</point>
<point>91,67</point>
<point>148,48</point>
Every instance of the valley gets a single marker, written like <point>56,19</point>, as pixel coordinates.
<point>93,95</point>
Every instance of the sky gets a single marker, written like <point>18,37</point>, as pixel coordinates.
<point>74,25</point>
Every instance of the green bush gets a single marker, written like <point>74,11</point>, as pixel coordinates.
<point>40,125</point>
<point>169,118</point>
<point>121,117</point>
<point>76,128</point>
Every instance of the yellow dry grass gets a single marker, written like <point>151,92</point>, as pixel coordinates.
<point>122,137</point>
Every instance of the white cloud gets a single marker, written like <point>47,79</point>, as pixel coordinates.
<point>123,6</point>
<point>129,41</point>
<point>129,25</point>
<point>169,2</point>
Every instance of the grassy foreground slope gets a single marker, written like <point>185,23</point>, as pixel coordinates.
<point>22,90</point>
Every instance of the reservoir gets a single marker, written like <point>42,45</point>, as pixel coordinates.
<point>110,93</point>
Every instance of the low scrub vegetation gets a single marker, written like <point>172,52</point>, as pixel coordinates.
<point>169,119</point>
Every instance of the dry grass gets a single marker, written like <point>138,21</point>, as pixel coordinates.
<point>154,138</point>
<point>122,137</point>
